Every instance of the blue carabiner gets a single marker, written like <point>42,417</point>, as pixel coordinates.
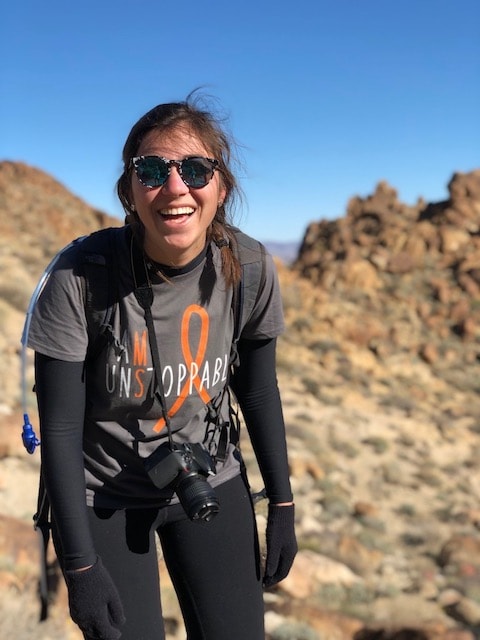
<point>29,437</point>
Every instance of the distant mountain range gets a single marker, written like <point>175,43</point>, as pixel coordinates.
<point>287,252</point>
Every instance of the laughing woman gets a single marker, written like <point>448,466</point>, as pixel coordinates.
<point>140,441</point>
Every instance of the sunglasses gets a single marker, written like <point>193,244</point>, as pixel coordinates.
<point>153,171</point>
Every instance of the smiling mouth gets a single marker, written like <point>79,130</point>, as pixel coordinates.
<point>180,212</point>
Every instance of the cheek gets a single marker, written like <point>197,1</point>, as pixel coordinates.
<point>133,188</point>
<point>210,201</point>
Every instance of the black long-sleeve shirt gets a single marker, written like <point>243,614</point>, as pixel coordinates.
<point>61,393</point>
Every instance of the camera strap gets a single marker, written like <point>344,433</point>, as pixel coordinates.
<point>144,295</point>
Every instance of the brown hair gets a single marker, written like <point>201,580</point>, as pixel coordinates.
<point>203,124</point>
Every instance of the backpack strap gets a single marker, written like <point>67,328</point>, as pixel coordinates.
<point>98,266</point>
<point>42,525</point>
<point>252,257</point>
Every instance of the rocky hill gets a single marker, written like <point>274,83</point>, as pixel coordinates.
<point>37,217</point>
<point>379,372</point>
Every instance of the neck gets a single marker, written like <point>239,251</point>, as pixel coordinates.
<point>170,271</point>
<point>173,256</point>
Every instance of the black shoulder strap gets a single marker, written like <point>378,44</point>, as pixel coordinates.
<point>42,525</point>
<point>99,262</point>
<point>252,257</point>
<point>251,254</point>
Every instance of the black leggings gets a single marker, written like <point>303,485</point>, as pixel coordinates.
<point>214,567</point>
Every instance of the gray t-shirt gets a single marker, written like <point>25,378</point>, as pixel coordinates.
<point>193,319</point>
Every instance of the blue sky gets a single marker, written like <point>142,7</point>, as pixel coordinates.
<point>326,98</point>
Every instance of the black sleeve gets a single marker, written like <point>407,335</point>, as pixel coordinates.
<point>255,384</point>
<point>60,389</point>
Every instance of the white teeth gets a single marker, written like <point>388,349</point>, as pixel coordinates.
<point>181,211</point>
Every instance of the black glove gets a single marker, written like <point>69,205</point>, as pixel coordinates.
<point>94,602</point>
<point>281,543</point>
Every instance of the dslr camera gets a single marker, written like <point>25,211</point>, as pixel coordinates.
<point>185,468</point>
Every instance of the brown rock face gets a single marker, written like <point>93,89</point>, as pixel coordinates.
<point>38,216</point>
<point>396,238</point>
<point>424,259</point>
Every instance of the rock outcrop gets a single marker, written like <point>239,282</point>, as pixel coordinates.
<point>38,216</point>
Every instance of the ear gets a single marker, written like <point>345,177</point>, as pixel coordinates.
<point>222,194</point>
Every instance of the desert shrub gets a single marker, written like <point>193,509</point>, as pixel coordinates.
<point>407,510</point>
<point>17,294</point>
<point>378,444</point>
<point>294,631</point>
<point>335,506</point>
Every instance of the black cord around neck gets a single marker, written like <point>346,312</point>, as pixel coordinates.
<point>144,295</point>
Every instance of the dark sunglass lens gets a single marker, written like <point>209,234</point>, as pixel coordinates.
<point>151,171</point>
<point>197,172</point>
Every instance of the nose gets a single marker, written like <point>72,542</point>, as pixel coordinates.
<point>174,184</point>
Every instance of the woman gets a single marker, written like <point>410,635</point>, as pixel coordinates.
<point>130,435</point>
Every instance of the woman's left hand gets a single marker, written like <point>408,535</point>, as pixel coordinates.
<point>281,543</point>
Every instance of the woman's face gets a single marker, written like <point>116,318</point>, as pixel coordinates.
<point>175,217</point>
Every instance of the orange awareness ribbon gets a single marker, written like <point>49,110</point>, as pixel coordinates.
<point>193,364</point>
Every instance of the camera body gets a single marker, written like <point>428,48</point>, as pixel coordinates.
<point>185,468</point>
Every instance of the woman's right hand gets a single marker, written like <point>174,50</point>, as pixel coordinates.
<point>94,602</point>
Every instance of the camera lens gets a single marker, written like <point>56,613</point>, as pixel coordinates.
<point>197,497</point>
